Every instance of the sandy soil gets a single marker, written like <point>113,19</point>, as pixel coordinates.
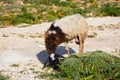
<point>22,50</point>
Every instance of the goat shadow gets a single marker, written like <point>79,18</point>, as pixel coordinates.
<point>43,55</point>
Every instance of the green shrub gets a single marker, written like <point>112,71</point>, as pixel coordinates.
<point>32,1</point>
<point>93,35</point>
<point>51,17</point>
<point>95,65</point>
<point>42,10</point>
<point>5,20</point>
<point>73,5</point>
<point>8,1</point>
<point>110,9</point>
<point>23,18</point>
<point>56,2</point>
<point>13,6</point>
<point>15,65</point>
<point>46,2</point>
<point>24,9</point>
<point>100,27</point>
<point>64,4</point>
<point>3,77</point>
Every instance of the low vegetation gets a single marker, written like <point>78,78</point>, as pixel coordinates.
<point>5,35</point>
<point>96,65</point>
<point>3,77</point>
<point>14,12</point>
<point>93,35</point>
<point>15,65</point>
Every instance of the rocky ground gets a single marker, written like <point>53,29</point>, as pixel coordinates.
<point>22,50</point>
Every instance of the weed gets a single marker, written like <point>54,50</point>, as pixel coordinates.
<point>5,35</point>
<point>39,11</point>
<point>110,9</point>
<point>36,36</point>
<point>22,71</point>
<point>15,65</point>
<point>32,69</point>
<point>92,35</point>
<point>32,36</point>
<point>116,51</point>
<point>96,65</point>
<point>21,35</point>
<point>100,27</point>
<point>3,77</point>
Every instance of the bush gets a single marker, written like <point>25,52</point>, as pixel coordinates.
<point>25,18</point>
<point>37,11</point>
<point>93,35</point>
<point>110,9</point>
<point>5,20</point>
<point>56,2</point>
<point>3,77</point>
<point>32,1</point>
<point>95,65</point>
<point>8,1</point>
<point>13,6</point>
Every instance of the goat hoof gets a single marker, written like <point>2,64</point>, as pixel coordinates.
<point>44,67</point>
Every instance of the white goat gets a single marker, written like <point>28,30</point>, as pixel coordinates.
<point>64,30</point>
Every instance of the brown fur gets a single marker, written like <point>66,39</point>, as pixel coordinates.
<point>53,40</point>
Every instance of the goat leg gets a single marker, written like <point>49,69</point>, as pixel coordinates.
<point>45,63</point>
<point>81,44</point>
<point>66,48</point>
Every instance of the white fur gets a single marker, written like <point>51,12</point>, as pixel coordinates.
<point>50,32</point>
<point>52,56</point>
<point>72,25</point>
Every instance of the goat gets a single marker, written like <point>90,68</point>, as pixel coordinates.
<point>63,30</point>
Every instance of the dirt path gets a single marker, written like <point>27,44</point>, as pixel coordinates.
<point>22,50</point>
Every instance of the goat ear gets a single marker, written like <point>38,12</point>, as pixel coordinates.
<point>52,27</point>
